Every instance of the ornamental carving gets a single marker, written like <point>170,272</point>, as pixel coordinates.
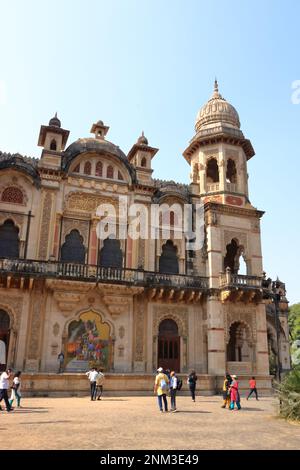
<point>87,202</point>
<point>241,237</point>
<point>36,307</point>
<point>56,329</point>
<point>121,332</point>
<point>235,313</point>
<point>13,194</point>
<point>45,226</point>
<point>141,259</point>
<point>72,224</point>
<point>139,330</point>
<point>179,315</point>
<point>13,306</point>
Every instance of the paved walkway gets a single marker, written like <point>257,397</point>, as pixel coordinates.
<point>136,423</point>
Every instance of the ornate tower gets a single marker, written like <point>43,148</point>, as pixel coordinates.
<point>236,325</point>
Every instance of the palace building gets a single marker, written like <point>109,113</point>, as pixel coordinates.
<point>131,305</point>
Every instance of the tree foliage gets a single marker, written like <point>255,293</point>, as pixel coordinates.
<point>289,395</point>
<point>294,321</point>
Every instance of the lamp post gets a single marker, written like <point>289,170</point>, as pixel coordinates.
<point>276,298</point>
<point>271,289</point>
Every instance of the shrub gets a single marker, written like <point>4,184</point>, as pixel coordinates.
<point>289,395</point>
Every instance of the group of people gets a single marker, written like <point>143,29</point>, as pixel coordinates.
<point>96,378</point>
<point>15,389</point>
<point>167,383</point>
<point>231,394</point>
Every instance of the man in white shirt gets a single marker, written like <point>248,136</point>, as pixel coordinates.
<point>92,376</point>
<point>4,386</point>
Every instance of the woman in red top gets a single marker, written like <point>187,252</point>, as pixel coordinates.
<point>253,389</point>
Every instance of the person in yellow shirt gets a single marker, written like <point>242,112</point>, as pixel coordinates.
<point>161,387</point>
<point>226,390</point>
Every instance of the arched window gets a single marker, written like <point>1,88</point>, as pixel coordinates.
<point>73,250</point>
<point>168,261</point>
<point>99,169</point>
<point>87,169</point>
<point>53,145</point>
<point>234,258</point>
<point>120,176</point>
<point>110,172</point>
<point>12,195</point>
<point>212,171</point>
<point>111,255</point>
<point>231,171</point>
<point>9,240</point>
<point>144,162</point>
<point>76,169</point>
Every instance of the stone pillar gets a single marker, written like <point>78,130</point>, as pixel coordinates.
<point>93,242</point>
<point>139,349</point>
<point>215,337</point>
<point>262,354</point>
<point>46,230</point>
<point>35,330</point>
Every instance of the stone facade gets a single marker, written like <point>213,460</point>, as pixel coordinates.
<point>62,290</point>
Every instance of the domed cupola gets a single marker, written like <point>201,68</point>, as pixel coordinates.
<point>217,110</point>
<point>55,122</point>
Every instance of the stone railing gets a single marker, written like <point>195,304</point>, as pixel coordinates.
<point>93,273</point>
<point>212,187</point>
<point>231,187</point>
<point>228,279</point>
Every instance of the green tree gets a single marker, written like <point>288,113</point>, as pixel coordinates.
<point>294,321</point>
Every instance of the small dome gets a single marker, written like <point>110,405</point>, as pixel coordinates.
<point>55,122</point>
<point>100,123</point>
<point>142,140</point>
<point>216,110</point>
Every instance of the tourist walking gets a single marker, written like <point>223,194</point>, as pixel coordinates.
<point>234,394</point>
<point>16,389</point>
<point>61,360</point>
<point>99,384</point>
<point>226,391</point>
<point>253,389</point>
<point>173,390</point>
<point>191,381</point>
<point>4,386</point>
<point>92,376</point>
<point>161,388</point>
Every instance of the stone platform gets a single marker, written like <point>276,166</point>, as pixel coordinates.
<point>77,384</point>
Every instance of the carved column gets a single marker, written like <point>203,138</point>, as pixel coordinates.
<point>139,335</point>
<point>35,331</point>
<point>46,231</point>
<point>93,243</point>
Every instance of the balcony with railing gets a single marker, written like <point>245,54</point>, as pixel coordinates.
<point>229,279</point>
<point>91,273</point>
<point>213,187</point>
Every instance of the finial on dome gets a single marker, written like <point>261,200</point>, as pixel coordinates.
<point>216,85</point>
<point>142,140</point>
<point>55,122</point>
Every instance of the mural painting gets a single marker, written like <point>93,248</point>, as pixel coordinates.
<point>89,343</point>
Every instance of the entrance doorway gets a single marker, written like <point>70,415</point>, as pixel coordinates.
<point>4,338</point>
<point>168,346</point>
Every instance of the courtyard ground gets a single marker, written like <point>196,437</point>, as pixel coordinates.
<point>135,423</point>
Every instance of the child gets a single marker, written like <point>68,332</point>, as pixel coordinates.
<point>16,389</point>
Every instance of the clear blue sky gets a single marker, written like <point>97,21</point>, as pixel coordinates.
<point>150,65</point>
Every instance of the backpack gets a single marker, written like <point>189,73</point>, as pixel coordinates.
<point>179,384</point>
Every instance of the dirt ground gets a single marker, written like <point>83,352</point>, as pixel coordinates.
<point>136,423</point>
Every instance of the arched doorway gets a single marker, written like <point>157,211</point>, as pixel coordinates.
<point>9,240</point>
<point>73,250</point>
<point>89,343</point>
<point>168,346</point>
<point>4,338</point>
<point>239,346</point>
<point>168,261</point>
<point>235,258</point>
